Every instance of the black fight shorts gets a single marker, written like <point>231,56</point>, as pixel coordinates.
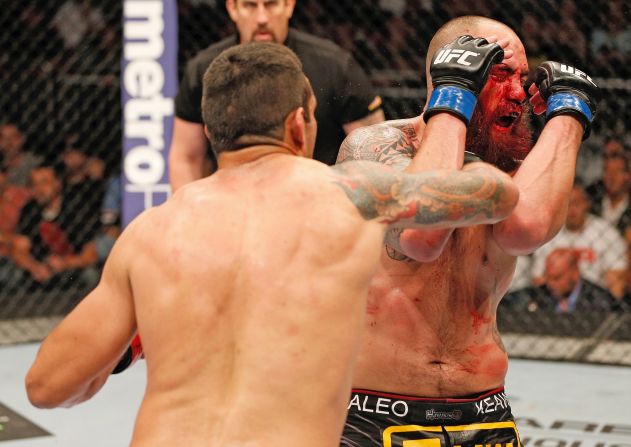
<point>390,420</point>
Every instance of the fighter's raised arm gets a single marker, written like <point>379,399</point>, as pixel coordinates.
<point>482,194</point>
<point>457,73</point>
<point>569,98</point>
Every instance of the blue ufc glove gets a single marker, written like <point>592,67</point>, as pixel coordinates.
<point>459,71</point>
<point>567,90</point>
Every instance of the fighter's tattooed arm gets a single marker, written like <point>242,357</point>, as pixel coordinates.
<point>393,143</point>
<point>433,199</point>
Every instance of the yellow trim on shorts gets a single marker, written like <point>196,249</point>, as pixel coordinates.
<point>387,433</point>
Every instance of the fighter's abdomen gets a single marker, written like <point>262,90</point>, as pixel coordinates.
<point>431,327</point>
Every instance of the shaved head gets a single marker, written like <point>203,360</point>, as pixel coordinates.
<point>499,131</point>
<point>476,26</point>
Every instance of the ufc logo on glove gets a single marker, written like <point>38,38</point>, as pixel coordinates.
<point>576,72</point>
<point>446,55</point>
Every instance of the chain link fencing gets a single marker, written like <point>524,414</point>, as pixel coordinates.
<point>60,78</point>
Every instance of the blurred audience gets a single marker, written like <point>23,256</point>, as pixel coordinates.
<point>609,196</point>
<point>52,244</point>
<point>563,289</point>
<point>12,198</point>
<point>602,250</point>
<point>82,37</point>
<point>591,159</point>
<point>110,218</point>
<point>611,43</point>
<point>570,39</point>
<point>17,161</point>
<point>75,20</point>
<point>83,185</point>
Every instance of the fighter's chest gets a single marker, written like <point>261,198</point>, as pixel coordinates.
<point>469,268</point>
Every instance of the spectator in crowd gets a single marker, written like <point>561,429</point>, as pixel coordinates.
<point>345,96</point>
<point>12,198</point>
<point>610,196</point>
<point>616,33</point>
<point>591,160</point>
<point>75,20</point>
<point>15,159</point>
<point>591,163</point>
<point>610,44</point>
<point>82,187</point>
<point>52,242</point>
<point>603,251</point>
<point>42,35</point>
<point>563,288</point>
<point>110,218</point>
<point>535,37</point>
<point>111,208</point>
<point>569,38</point>
<point>403,56</point>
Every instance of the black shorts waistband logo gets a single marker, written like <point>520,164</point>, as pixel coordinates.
<point>492,403</point>
<point>453,415</point>
<point>379,405</point>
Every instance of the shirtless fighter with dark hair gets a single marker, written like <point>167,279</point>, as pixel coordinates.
<point>249,307</point>
<point>432,365</point>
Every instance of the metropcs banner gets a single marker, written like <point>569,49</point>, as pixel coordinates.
<point>148,87</point>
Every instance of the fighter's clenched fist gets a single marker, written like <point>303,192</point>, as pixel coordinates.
<point>459,71</point>
<point>566,90</point>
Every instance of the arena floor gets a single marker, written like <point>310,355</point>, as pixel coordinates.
<point>558,405</point>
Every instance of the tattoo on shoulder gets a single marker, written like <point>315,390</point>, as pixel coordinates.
<point>392,145</point>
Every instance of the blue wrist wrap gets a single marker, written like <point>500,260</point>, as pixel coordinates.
<point>560,101</point>
<point>455,99</point>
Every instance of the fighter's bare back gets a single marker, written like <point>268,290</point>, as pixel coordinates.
<point>222,329</point>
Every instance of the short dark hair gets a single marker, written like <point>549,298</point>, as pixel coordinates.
<point>249,90</point>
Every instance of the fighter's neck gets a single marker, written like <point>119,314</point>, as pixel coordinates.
<point>249,154</point>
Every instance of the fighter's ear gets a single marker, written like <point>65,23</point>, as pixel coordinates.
<point>231,7</point>
<point>291,4</point>
<point>295,128</point>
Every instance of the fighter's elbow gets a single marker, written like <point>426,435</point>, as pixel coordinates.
<point>507,199</point>
<point>424,246</point>
<point>39,392</point>
<point>521,236</point>
<point>503,193</point>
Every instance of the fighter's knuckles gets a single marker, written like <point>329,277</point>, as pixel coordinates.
<point>568,90</point>
<point>459,71</point>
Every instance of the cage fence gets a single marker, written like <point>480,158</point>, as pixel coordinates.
<point>60,79</point>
